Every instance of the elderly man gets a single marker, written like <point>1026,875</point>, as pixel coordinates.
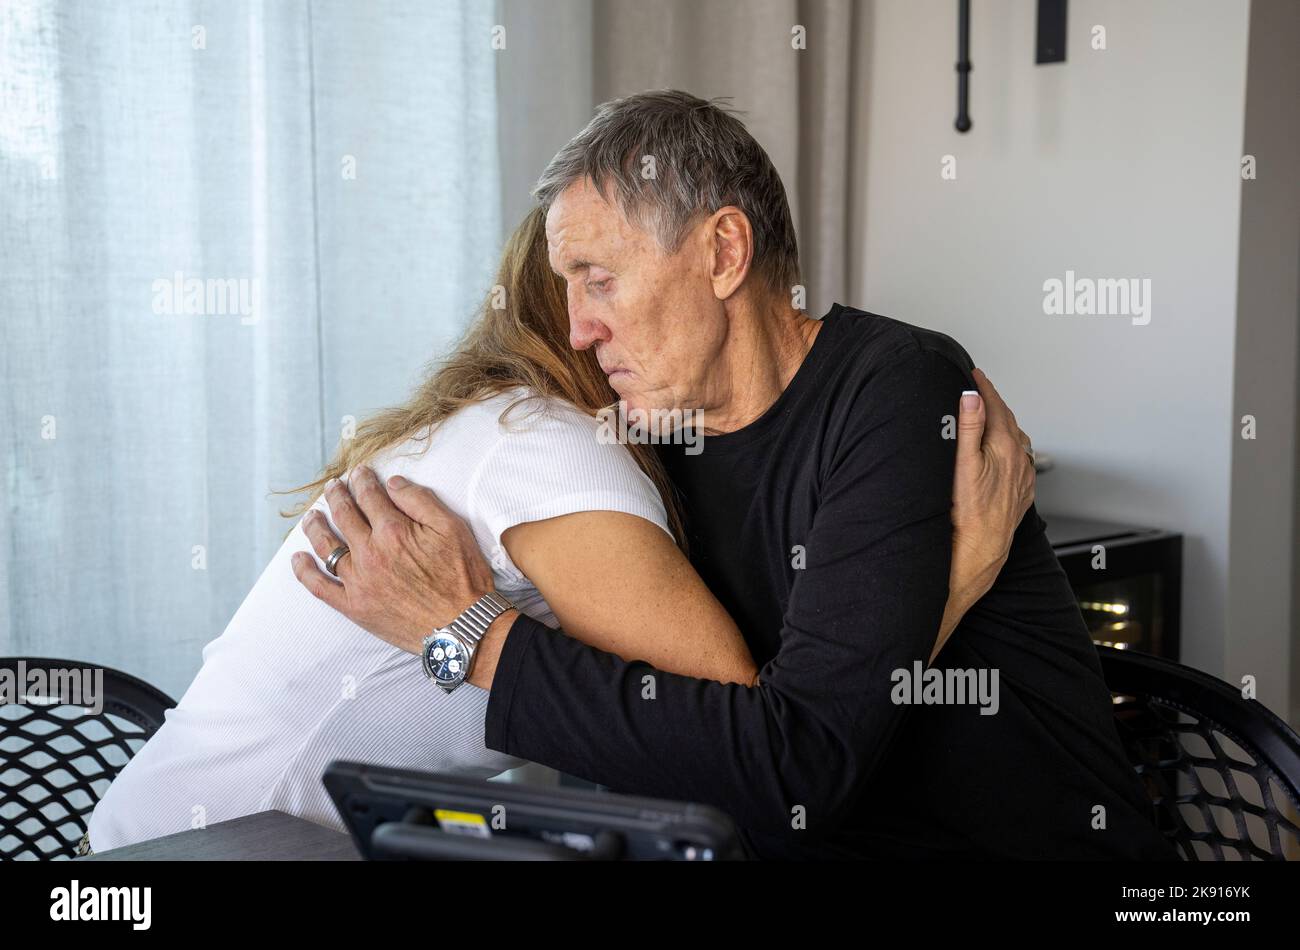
<point>823,515</point>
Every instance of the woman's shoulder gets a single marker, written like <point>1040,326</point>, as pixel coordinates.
<point>552,431</point>
<point>551,458</point>
<point>518,412</point>
<point>549,433</point>
<point>516,457</point>
<point>519,435</point>
<point>477,427</point>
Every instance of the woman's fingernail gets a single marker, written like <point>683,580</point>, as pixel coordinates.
<point>397,481</point>
<point>970,400</point>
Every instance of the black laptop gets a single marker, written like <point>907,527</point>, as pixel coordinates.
<point>403,815</point>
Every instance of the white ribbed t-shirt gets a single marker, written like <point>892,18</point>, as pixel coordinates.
<point>292,684</point>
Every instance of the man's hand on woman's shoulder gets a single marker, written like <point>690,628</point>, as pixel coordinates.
<point>412,564</point>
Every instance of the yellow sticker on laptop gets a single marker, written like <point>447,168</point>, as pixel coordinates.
<point>462,823</point>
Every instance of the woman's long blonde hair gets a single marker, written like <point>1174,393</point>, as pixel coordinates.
<point>523,343</point>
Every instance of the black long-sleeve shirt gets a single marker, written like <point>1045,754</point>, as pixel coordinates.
<point>824,528</point>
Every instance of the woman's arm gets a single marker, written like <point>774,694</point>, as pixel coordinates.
<point>618,583</point>
<point>992,488</point>
<point>652,606</point>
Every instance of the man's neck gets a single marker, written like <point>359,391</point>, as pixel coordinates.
<point>767,342</point>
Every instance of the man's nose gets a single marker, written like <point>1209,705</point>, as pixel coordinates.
<point>584,329</point>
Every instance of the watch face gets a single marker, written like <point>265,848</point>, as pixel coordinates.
<point>447,660</point>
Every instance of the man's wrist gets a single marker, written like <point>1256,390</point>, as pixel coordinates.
<point>488,651</point>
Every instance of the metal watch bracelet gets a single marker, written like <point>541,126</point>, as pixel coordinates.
<point>473,623</point>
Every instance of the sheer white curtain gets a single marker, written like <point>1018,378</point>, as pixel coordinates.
<point>225,229</point>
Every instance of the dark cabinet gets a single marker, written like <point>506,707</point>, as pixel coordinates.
<point>1128,581</point>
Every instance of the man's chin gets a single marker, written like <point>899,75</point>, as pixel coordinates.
<point>626,389</point>
<point>635,399</point>
<point>632,401</point>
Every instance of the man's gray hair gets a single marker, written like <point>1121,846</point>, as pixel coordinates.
<point>671,158</point>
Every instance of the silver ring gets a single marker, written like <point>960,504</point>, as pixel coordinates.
<point>336,555</point>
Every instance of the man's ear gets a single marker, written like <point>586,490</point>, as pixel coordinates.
<point>733,250</point>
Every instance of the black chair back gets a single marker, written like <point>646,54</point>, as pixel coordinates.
<point>66,729</point>
<point>1222,771</point>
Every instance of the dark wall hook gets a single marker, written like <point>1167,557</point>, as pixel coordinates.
<point>964,67</point>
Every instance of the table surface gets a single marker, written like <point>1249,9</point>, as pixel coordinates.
<point>265,836</point>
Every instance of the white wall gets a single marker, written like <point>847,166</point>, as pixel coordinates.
<point>1262,539</point>
<point>1116,163</point>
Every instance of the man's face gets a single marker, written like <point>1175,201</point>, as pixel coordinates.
<point>652,316</point>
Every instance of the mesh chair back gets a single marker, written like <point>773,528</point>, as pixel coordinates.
<point>66,730</point>
<point>1222,771</point>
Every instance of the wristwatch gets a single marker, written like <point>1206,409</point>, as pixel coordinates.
<point>448,653</point>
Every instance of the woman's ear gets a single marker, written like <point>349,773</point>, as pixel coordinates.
<point>733,250</point>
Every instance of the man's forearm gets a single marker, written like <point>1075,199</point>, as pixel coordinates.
<point>755,753</point>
